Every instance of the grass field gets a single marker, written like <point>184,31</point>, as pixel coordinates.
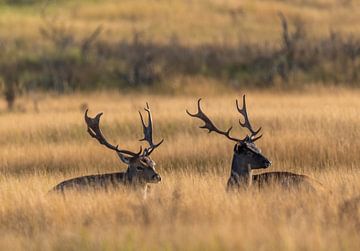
<point>308,130</point>
<point>314,132</point>
<point>67,46</point>
<point>161,20</point>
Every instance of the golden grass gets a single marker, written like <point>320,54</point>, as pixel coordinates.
<point>314,133</point>
<point>191,22</point>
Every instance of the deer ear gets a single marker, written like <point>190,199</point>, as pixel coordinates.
<point>237,147</point>
<point>123,158</point>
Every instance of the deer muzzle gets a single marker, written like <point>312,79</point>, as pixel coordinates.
<point>267,163</point>
<point>156,178</point>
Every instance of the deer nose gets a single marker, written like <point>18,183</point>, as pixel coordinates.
<point>267,163</point>
<point>156,177</point>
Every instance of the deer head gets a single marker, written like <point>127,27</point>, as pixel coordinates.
<point>246,153</point>
<point>141,168</point>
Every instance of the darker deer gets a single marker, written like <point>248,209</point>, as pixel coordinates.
<point>141,168</point>
<point>247,157</point>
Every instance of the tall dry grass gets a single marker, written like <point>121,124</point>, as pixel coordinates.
<point>249,20</point>
<point>314,133</point>
<point>85,45</point>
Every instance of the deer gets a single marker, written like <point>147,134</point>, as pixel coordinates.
<point>141,168</point>
<point>248,157</point>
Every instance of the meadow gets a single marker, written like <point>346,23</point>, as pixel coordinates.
<point>66,46</point>
<point>313,132</point>
<point>186,21</point>
<point>298,63</point>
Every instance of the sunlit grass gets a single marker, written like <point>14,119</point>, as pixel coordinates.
<point>313,133</point>
<point>221,21</point>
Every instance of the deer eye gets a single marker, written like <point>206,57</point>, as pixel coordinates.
<point>139,168</point>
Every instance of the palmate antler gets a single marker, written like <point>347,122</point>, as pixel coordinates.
<point>247,124</point>
<point>93,125</point>
<point>148,132</point>
<point>209,125</point>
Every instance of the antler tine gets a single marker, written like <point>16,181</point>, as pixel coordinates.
<point>94,130</point>
<point>246,123</point>
<point>210,125</point>
<point>148,132</point>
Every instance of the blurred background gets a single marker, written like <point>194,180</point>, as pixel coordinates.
<point>176,46</point>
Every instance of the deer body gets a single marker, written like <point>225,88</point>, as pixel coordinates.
<point>247,157</point>
<point>138,175</point>
<point>141,168</point>
<point>287,180</point>
<point>106,180</point>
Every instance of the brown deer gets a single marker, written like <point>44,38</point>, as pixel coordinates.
<point>247,157</point>
<point>141,168</point>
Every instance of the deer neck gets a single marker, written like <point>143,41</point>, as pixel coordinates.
<point>241,173</point>
<point>134,181</point>
<point>239,166</point>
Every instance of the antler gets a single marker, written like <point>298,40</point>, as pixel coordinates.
<point>148,132</point>
<point>212,128</point>
<point>247,124</point>
<point>210,125</point>
<point>93,125</point>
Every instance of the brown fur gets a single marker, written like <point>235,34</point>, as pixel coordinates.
<point>99,181</point>
<point>140,172</point>
<point>285,179</point>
